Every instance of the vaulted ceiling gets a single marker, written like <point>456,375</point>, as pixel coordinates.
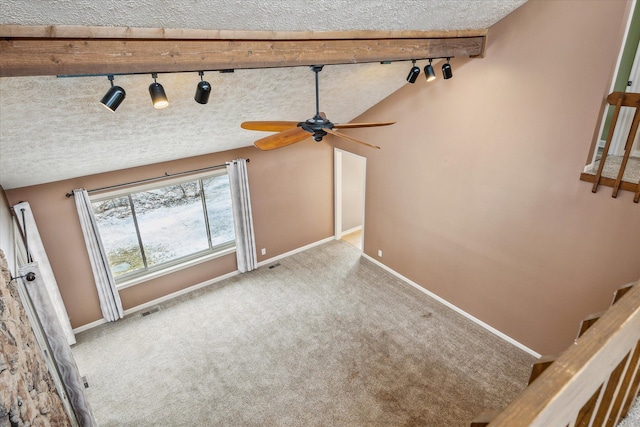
<point>53,128</point>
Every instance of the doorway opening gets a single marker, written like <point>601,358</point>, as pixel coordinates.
<point>349,177</point>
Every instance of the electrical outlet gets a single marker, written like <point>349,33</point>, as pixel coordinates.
<point>263,251</point>
<point>380,253</point>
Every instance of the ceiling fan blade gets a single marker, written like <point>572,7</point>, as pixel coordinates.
<point>360,125</point>
<point>282,139</point>
<point>269,126</point>
<point>341,135</point>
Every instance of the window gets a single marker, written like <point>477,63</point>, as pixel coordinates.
<point>155,228</point>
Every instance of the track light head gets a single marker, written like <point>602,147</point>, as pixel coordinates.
<point>158,97</point>
<point>114,96</point>
<point>203,90</point>
<point>429,73</point>
<point>413,73</point>
<point>446,70</point>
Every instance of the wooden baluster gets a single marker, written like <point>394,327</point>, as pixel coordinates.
<point>627,151</point>
<point>586,412</point>
<point>618,96</point>
<point>610,392</point>
<point>628,388</point>
<point>617,412</point>
<point>634,390</point>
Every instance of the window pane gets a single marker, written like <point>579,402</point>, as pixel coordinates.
<point>118,234</point>
<point>171,222</point>
<point>218,198</point>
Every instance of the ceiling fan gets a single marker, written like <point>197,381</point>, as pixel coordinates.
<point>317,126</point>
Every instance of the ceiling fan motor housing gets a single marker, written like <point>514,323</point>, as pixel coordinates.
<point>317,126</point>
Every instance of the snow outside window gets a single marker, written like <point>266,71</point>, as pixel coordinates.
<point>156,228</point>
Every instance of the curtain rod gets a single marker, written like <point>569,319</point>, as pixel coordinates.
<point>166,175</point>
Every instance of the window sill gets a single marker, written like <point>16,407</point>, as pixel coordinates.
<point>173,269</point>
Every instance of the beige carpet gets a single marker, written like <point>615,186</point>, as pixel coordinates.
<point>324,338</point>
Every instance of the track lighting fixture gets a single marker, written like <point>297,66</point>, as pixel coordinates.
<point>428,72</point>
<point>446,70</point>
<point>158,97</point>
<point>413,73</point>
<point>203,90</point>
<point>114,96</point>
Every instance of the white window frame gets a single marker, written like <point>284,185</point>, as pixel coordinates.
<point>180,263</point>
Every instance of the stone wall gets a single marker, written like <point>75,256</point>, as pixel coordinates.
<point>28,396</point>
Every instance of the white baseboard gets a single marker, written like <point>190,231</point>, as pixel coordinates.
<point>295,251</point>
<point>198,286</point>
<point>89,326</point>
<point>157,301</point>
<point>455,308</point>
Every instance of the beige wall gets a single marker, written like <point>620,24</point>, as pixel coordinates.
<point>475,193</point>
<point>292,201</point>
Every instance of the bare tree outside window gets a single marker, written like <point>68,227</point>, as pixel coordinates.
<point>146,230</point>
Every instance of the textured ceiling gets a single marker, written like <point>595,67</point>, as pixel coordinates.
<point>267,15</point>
<point>58,124</point>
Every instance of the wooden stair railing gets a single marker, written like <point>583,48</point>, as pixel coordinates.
<point>606,383</point>
<point>619,99</point>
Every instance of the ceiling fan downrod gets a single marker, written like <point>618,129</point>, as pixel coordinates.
<point>318,123</point>
<point>316,69</point>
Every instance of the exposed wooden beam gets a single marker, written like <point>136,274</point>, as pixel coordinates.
<point>89,32</point>
<point>30,51</point>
